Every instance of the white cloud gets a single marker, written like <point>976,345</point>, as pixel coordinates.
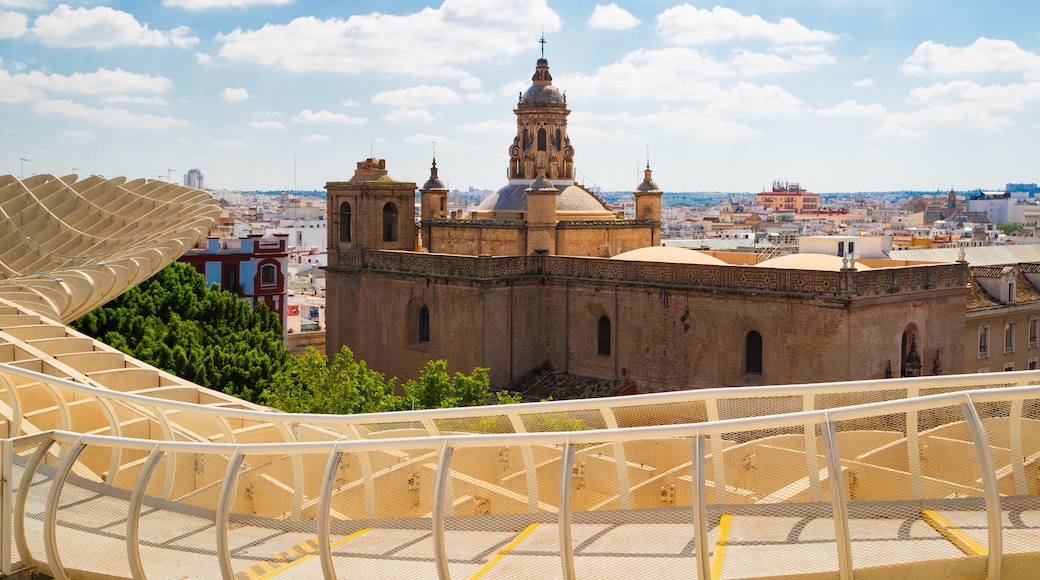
<point>230,144</point>
<point>307,116</point>
<point>132,100</point>
<point>852,109</point>
<point>916,124</point>
<point>102,27</point>
<point>985,55</point>
<point>668,74</point>
<point>22,4</point>
<point>13,24</point>
<point>266,125</point>
<point>863,83</point>
<point>612,17</point>
<point>315,138</point>
<point>74,135</point>
<point>209,4</point>
<point>748,100</point>
<point>479,97</point>
<point>98,82</point>
<point>348,103</point>
<point>688,25</point>
<point>108,116</point>
<point>235,95</point>
<point>426,138</point>
<point>1013,96</point>
<point>268,114</point>
<point>492,126</point>
<point>756,63</point>
<point>204,59</point>
<point>470,83</point>
<point>688,121</point>
<point>419,96</point>
<point>409,116</point>
<point>414,44</point>
<point>13,90</point>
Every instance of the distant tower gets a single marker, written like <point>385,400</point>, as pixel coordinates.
<point>541,145</point>
<point>648,204</point>
<point>370,211</point>
<point>433,205</point>
<point>194,178</point>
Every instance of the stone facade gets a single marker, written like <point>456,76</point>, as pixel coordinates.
<point>671,326</point>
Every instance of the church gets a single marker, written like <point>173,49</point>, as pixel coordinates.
<point>543,277</point>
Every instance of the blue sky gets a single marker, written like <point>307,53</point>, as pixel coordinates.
<point>839,95</point>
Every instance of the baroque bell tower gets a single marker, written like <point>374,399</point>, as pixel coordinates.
<point>541,145</point>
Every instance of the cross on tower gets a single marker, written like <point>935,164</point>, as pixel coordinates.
<point>541,41</point>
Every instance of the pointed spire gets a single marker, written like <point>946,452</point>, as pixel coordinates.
<point>433,182</point>
<point>648,184</point>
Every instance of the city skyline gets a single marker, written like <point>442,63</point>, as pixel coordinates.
<point>276,94</point>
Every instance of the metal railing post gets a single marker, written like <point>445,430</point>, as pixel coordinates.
<point>700,509</point>
<point>440,550</point>
<point>328,482</point>
<point>133,518</point>
<point>989,488</point>
<point>564,511</point>
<point>838,505</point>
<point>50,512</point>
<point>227,492</point>
<point>6,474</point>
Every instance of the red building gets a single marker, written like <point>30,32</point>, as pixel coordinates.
<point>253,267</point>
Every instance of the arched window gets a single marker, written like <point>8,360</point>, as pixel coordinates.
<point>603,336</point>
<point>753,353</point>
<point>541,139</point>
<point>389,222</point>
<point>424,324</point>
<point>344,222</point>
<point>268,275</point>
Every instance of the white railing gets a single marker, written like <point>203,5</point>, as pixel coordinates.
<point>63,460</point>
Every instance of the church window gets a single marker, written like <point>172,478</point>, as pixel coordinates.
<point>541,139</point>
<point>344,222</point>
<point>424,324</point>
<point>389,222</point>
<point>603,336</point>
<point>753,353</point>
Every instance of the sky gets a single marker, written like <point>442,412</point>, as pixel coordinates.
<point>837,95</point>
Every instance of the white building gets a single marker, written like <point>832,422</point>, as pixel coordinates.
<point>194,178</point>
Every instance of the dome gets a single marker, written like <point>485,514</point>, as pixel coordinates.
<point>570,198</point>
<point>671,255</point>
<point>819,262</point>
<point>434,183</point>
<point>542,96</point>
<point>542,92</point>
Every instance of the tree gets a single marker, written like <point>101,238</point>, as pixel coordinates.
<point>307,384</point>
<point>435,389</point>
<point>202,334</point>
<point>1010,228</point>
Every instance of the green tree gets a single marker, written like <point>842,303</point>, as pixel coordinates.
<point>436,389</point>
<point>1008,229</point>
<point>201,333</point>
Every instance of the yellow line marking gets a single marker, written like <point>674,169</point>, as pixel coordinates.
<point>505,550</point>
<point>955,535</point>
<point>311,554</point>
<point>720,547</point>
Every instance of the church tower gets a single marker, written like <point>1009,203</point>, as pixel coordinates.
<point>541,145</point>
<point>433,204</point>
<point>371,211</point>
<point>648,204</point>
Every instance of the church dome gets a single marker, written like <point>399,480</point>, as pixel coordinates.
<point>542,93</point>
<point>819,262</point>
<point>669,254</point>
<point>571,198</point>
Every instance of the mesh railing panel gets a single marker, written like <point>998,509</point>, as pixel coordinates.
<point>662,414</point>
<point>180,527</point>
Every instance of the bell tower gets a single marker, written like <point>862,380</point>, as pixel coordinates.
<point>371,211</point>
<point>541,145</point>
